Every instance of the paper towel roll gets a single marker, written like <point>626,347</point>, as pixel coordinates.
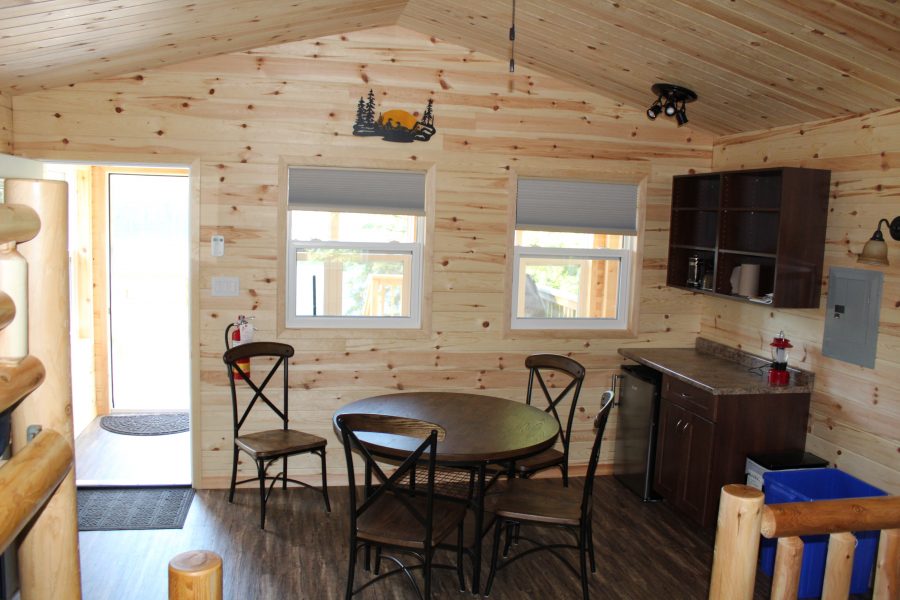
<point>748,284</point>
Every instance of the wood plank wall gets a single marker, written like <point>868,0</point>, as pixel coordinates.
<point>855,420</point>
<point>239,115</point>
<point>6,124</point>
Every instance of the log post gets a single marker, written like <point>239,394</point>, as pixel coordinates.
<point>887,567</point>
<point>839,566</point>
<point>48,555</point>
<point>786,579</point>
<point>737,543</point>
<point>195,575</point>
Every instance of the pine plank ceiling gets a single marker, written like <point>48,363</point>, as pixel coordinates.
<point>754,63</point>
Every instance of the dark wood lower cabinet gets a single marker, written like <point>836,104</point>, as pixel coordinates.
<point>683,459</point>
<point>704,440</point>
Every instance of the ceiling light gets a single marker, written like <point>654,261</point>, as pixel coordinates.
<point>875,250</point>
<point>671,100</point>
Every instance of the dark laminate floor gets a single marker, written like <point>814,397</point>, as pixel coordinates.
<point>644,551</point>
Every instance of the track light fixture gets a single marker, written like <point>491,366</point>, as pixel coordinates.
<point>670,99</point>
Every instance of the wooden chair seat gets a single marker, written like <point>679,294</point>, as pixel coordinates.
<point>564,376</point>
<point>388,522</point>
<point>546,459</point>
<point>278,442</point>
<point>267,446</point>
<point>537,501</point>
<point>399,511</point>
<point>528,502</point>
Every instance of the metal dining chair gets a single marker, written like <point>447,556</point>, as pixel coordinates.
<point>266,447</point>
<point>389,514</point>
<point>544,368</point>
<point>539,502</point>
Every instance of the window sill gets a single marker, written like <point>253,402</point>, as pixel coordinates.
<point>531,334</point>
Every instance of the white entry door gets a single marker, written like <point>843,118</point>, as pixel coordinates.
<point>149,291</point>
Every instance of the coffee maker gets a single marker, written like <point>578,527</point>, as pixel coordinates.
<point>698,269</point>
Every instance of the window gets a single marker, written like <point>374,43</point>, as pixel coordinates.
<point>354,255</point>
<point>574,244</point>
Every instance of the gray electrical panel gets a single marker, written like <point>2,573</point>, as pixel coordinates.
<point>851,315</point>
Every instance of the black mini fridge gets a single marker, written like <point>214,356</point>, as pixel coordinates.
<point>637,417</point>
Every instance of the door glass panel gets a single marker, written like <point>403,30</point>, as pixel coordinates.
<point>149,291</point>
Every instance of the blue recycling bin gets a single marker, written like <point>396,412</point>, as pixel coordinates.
<point>806,485</point>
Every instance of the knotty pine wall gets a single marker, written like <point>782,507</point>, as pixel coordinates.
<point>855,412</point>
<point>5,123</point>
<point>236,117</point>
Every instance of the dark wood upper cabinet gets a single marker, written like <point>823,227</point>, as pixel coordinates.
<point>773,218</point>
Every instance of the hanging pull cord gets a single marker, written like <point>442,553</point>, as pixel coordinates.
<point>512,39</point>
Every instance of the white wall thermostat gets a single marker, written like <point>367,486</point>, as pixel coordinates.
<point>217,244</point>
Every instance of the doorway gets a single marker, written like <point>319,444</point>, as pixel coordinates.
<point>130,247</point>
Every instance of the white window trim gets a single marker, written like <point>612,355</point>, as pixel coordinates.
<point>625,301</point>
<point>413,321</point>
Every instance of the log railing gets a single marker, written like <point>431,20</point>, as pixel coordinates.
<point>743,516</point>
<point>38,483</point>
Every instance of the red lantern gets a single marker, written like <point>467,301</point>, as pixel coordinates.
<point>778,373</point>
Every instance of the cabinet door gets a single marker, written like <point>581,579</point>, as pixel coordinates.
<point>697,437</point>
<point>670,451</point>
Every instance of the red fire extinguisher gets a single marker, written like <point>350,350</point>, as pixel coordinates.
<point>241,333</point>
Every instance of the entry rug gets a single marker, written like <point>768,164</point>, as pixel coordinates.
<point>147,424</point>
<point>116,508</point>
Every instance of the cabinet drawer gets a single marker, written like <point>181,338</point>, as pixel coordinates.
<point>689,397</point>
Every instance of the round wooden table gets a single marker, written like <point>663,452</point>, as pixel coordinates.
<point>480,430</point>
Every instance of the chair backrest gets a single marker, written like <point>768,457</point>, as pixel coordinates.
<point>351,425</point>
<point>600,420</point>
<point>233,359</point>
<point>540,365</point>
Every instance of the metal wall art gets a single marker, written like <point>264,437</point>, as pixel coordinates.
<point>394,125</point>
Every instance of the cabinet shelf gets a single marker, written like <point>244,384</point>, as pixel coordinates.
<point>745,253</point>
<point>690,247</point>
<point>771,218</point>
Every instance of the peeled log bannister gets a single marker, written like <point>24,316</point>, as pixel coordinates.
<point>742,517</point>
<point>737,543</point>
<point>18,223</point>
<point>28,479</point>
<point>7,309</point>
<point>17,381</point>
<point>195,575</point>
<point>48,555</point>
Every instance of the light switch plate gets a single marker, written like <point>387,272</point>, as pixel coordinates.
<point>852,315</point>
<point>217,245</point>
<point>226,286</point>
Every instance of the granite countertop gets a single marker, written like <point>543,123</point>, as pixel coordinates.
<point>718,369</point>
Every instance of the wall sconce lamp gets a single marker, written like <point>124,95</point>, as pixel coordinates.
<point>670,99</point>
<point>875,250</point>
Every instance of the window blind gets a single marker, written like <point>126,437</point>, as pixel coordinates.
<point>580,206</point>
<point>347,190</point>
